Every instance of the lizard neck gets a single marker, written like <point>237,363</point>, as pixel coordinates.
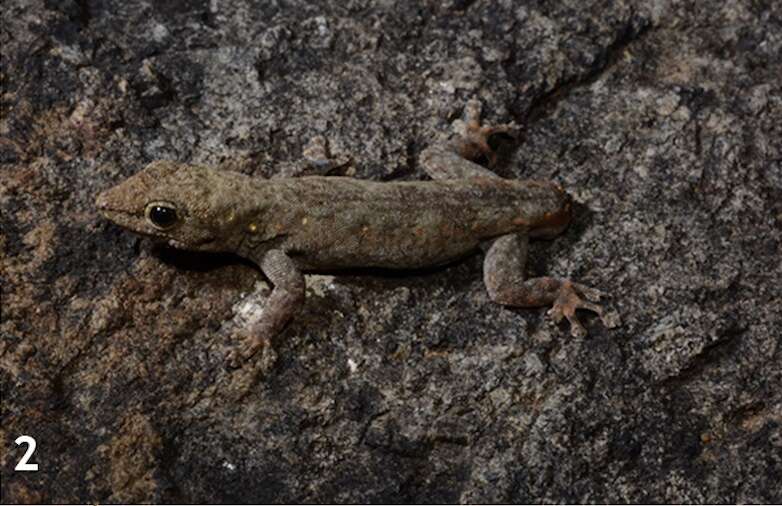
<point>265,212</point>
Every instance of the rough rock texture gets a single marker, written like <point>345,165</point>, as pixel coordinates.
<point>663,119</point>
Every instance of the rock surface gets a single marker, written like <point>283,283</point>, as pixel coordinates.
<point>663,119</point>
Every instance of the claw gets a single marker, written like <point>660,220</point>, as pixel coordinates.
<point>234,359</point>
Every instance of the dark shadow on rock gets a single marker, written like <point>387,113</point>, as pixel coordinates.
<point>198,261</point>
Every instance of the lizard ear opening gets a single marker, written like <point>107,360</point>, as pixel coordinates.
<point>162,215</point>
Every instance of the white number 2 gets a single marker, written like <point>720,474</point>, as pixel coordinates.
<point>23,465</point>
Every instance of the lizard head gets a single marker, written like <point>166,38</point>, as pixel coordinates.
<point>175,202</point>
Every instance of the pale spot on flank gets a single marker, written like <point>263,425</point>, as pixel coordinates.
<point>252,228</point>
<point>304,220</point>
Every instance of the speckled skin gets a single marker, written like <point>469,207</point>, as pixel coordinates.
<point>335,222</point>
<point>288,226</point>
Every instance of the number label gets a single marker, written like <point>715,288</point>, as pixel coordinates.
<point>23,465</point>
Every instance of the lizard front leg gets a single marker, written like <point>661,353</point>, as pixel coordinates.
<point>286,297</point>
<point>503,275</point>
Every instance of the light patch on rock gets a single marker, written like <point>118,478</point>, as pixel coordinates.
<point>319,284</point>
<point>159,32</point>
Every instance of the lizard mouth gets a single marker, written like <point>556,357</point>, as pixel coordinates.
<point>127,219</point>
<point>118,216</point>
<point>204,243</point>
<point>138,224</point>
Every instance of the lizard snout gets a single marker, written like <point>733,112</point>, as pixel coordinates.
<point>113,199</point>
<point>102,201</point>
<point>106,203</point>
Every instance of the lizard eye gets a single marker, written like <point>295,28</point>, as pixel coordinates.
<point>162,215</point>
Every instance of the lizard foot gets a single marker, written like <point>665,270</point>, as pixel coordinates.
<point>248,348</point>
<point>475,139</point>
<point>318,155</point>
<point>568,300</point>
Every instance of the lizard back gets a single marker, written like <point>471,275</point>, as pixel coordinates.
<point>338,222</point>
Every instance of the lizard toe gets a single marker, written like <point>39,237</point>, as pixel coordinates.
<point>555,313</point>
<point>588,293</point>
<point>611,319</point>
<point>233,360</point>
<point>576,329</point>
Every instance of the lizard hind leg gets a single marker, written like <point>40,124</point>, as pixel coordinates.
<point>457,159</point>
<point>503,275</point>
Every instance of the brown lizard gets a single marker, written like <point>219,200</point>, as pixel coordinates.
<point>289,226</point>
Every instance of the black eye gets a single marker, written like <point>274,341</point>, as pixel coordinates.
<point>161,215</point>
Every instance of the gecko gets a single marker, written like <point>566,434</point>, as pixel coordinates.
<point>291,226</point>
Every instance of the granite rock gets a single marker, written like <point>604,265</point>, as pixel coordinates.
<point>663,119</point>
